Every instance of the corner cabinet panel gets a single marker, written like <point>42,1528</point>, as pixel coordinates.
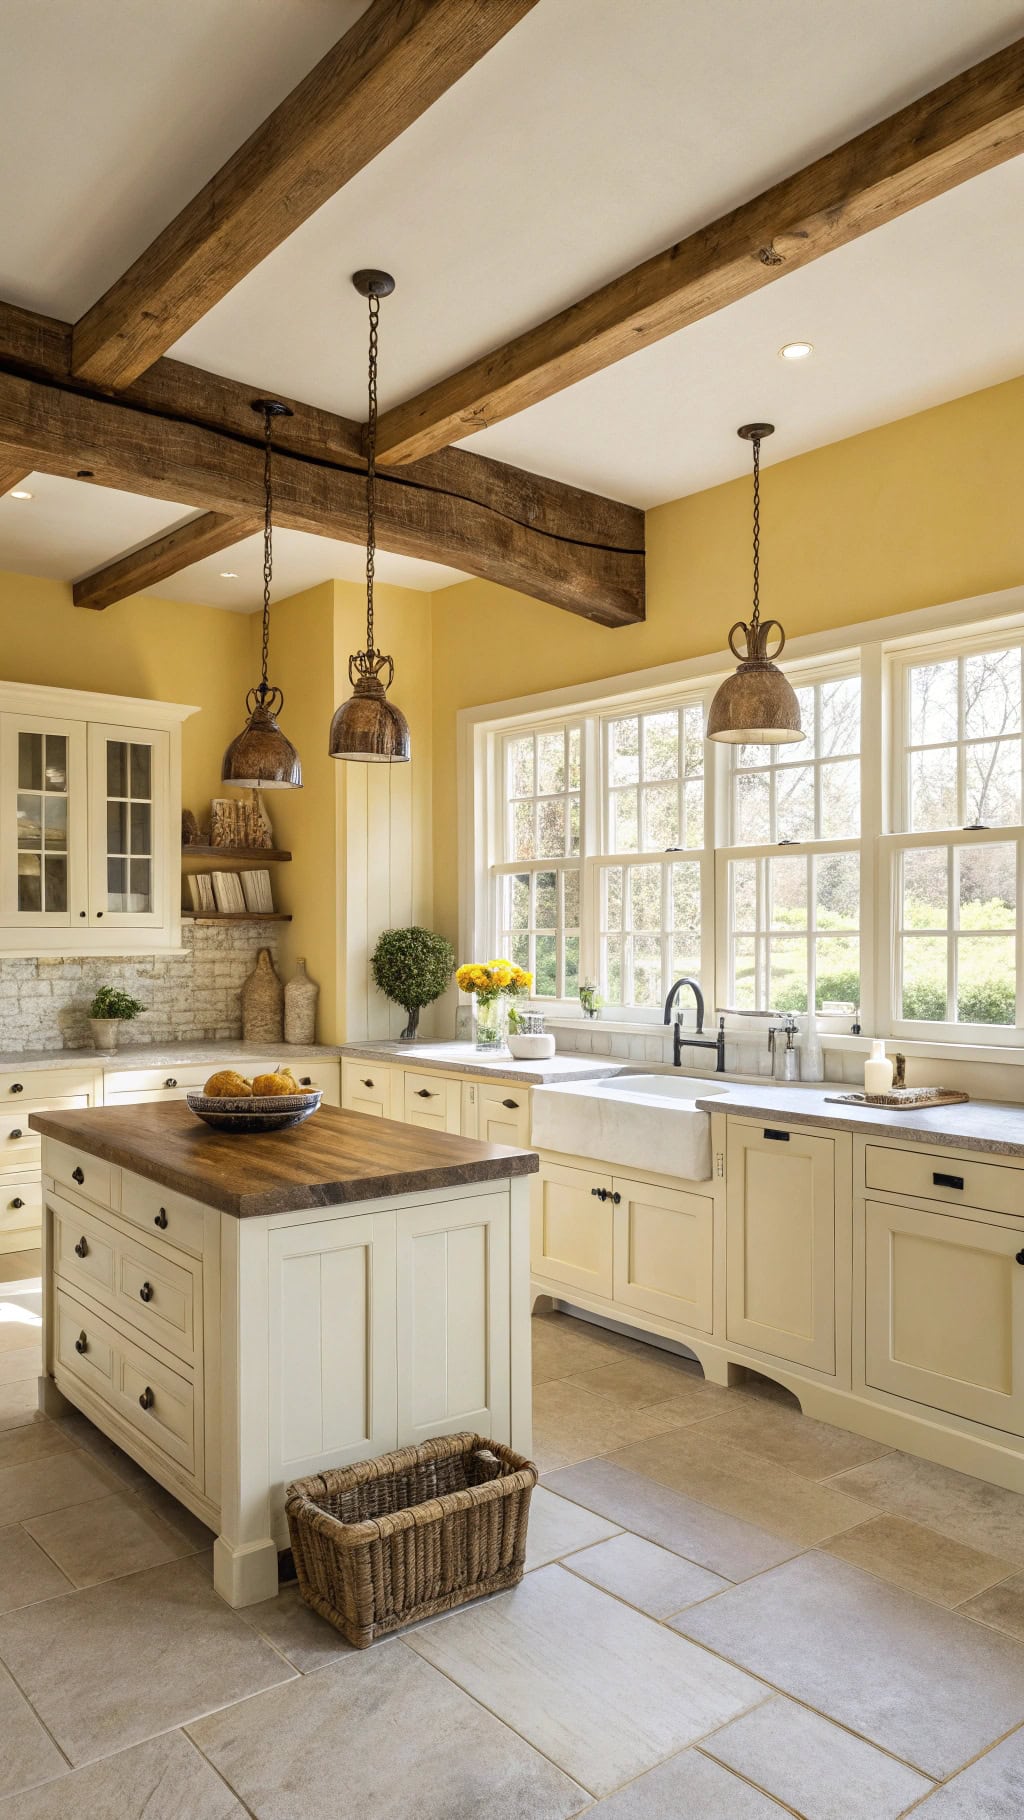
<point>572,1227</point>
<point>944,1313</point>
<point>781,1243</point>
<point>43,823</point>
<point>453,1318</point>
<point>332,1340</point>
<point>128,781</point>
<point>664,1252</point>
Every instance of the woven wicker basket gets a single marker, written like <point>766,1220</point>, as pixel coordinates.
<point>391,1540</point>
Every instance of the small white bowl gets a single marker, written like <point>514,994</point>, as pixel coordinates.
<point>531,1048</point>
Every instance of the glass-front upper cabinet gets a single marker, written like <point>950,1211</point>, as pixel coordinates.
<point>89,814</point>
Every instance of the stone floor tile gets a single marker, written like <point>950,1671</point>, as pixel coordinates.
<point>557,1527</point>
<point>924,1683</point>
<point>18,1402</point>
<point>1001,1605</point>
<point>17,1333</point>
<point>27,1753</point>
<point>651,1578</point>
<point>694,1462</point>
<point>594,1685</point>
<point>118,1663</point>
<point>688,1787</point>
<point>632,1382</point>
<point>51,1482</point>
<point>26,1573</point>
<point>177,1517</point>
<point>991,1789</point>
<point>105,1538</point>
<point>164,1779</point>
<point>787,1438</point>
<point>920,1560</point>
<point>16,1266</point>
<point>821,1772</point>
<point>98,1446</point>
<point>307,1640</point>
<point>29,1442</point>
<point>969,1510</point>
<point>570,1423</point>
<point>725,1545</point>
<point>378,1736</point>
<point>21,1362</point>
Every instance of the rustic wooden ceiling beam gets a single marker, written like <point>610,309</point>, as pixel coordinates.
<point>112,441</point>
<point>398,58</point>
<point>968,125</point>
<point>154,562</point>
<point>11,475</point>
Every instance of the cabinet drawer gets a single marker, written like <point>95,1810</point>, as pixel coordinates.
<point>961,1180</point>
<point>21,1212</point>
<point>155,1293</point>
<point>158,1403</point>
<point>157,1210</point>
<point>503,1113</point>
<point>156,1082</point>
<point>51,1085</point>
<point>20,1146</point>
<point>79,1172</point>
<point>366,1087</point>
<point>432,1100</point>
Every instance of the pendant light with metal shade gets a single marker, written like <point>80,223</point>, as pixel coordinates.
<point>368,727</point>
<point>262,757</point>
<point>756,705</point>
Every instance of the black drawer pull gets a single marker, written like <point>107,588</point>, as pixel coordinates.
<point>17,1132</point>
<point>367,1083</point>
<point>947,1181</point>
<point>82,1342</point>
<point>78,1175</point>
<point>305,1080</point>
<point>17,1087</point>
<point>425,1093</point>
<point>146,1292</point>
<point>81,1249</point>
<point>616,1196</point>
<point>1020,1257</point>
<point>160,1219</point>
<point>512,1105</point>
<point>170,1081</point>
<point>777,1137</point>
<point>17,1201</point>
<point>147,1399</point>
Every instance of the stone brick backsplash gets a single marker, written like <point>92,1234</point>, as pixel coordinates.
<point>193,996</point>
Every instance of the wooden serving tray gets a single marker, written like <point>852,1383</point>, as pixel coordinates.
<point>902,1096</point>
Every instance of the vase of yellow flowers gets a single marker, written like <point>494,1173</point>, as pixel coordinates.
<point>494,987</point>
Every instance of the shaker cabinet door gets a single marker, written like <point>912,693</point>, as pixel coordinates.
<point>781,1244</point>
<point>664,1252</point>
<point>453,1318</point>
<point>43,826</point>
<point>128,783</point>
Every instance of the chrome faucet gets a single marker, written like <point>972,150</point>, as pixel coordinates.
<point>693,1042</point>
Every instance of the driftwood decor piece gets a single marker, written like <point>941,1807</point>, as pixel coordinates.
<point>234,823</point>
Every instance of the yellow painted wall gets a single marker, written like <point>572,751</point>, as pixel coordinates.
<point>161,650</point>
<point>927,509</point>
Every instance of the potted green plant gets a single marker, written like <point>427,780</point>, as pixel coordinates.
<point>108,1011</point>
<point>412,967</point>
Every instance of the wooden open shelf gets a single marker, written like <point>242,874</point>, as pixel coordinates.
<point>239,916</point>
<point>236,855</point>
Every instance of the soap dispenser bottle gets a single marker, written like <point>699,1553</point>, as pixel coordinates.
<point>877,1069</point>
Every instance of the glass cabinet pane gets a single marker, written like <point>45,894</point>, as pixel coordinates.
<point>129,771</point>
<point>30,761</point>
<point>41,822</point>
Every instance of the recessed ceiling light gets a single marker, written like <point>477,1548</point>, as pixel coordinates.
<point>797,350</point>
<point>229,575</point>
<point>20,493</point>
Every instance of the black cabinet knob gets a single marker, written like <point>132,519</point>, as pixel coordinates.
<point>170,1081</point>
<point>147,1399</point>
<point>99,913</point>
<point>146,1292</point>
<point>81,1249</point>
<point>160,1219</point>
<point>82,1343</point>
<point>306,1080</point>
<point>424,1093</point>
<point>367,1083</point>
<point>601,1193</point>
<point>616,1197</point>
<point>17,1087</point>
<point>1020,1257</point>
<point>17,1132</point>
<point>78,1175</point>
<point>17,1201</point>
<point>81,913</point>
<point>513,1105</point>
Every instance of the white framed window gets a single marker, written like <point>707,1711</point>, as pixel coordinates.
<point>962,751</point>
<point>793,935</point>
<point>650,918</point>
<point>537,881</point>
<point>810,791</point>
<point>654,766</point>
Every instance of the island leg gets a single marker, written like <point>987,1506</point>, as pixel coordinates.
<point>245,1553</point>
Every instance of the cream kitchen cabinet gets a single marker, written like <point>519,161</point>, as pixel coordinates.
<point>433,1101</point>
<point>90,800</point>
<point>780,1242</point>
<point>367,1088</point>
<point>23,1092</point>
<point>663,1252</point>
<point>502,1112</point>
<point>572,1228</point>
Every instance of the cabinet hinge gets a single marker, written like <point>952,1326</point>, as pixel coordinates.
<point>720,1164</point>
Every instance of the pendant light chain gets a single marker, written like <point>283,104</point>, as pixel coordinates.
<point>268,539</point>
<point>371,469</point>
<point>755,617</point>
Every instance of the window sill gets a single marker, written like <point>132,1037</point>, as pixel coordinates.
<point>913,1047</point>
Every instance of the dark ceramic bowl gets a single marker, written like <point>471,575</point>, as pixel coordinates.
<point>257,1112</point>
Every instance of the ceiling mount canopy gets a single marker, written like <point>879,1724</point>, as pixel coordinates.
<point>756,705</point>
<point>262,757</point>
<point>368,727</point>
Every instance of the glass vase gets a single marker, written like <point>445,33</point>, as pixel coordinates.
<point>490,1023</point>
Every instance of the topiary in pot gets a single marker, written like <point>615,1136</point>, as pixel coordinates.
<point>109,1009</point>
<point>412,967</point>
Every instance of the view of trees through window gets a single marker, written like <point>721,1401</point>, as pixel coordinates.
<point>796,929</point>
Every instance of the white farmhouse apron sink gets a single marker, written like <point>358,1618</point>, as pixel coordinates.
<point>638,1121</point>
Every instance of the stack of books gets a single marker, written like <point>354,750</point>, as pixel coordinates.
<point>230,893</point>
<point>200,887</point>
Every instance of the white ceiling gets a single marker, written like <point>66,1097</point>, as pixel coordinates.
<point>69,527</point>
<point>594,135</point>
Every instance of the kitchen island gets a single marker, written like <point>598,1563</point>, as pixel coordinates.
<point>237,1312</point>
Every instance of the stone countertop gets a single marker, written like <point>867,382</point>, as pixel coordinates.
<point>163,1055</point>
<point>334,1157</point>
<point>465,1058</point>
<point>983,1125</point>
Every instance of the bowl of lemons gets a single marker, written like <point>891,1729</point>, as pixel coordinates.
<point>270,1102</point>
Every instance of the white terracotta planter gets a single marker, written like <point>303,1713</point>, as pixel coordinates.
<point>532,1048</point>
<point>105,1032</point>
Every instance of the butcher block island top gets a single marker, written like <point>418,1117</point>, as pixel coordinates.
<point>333,1157</point>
